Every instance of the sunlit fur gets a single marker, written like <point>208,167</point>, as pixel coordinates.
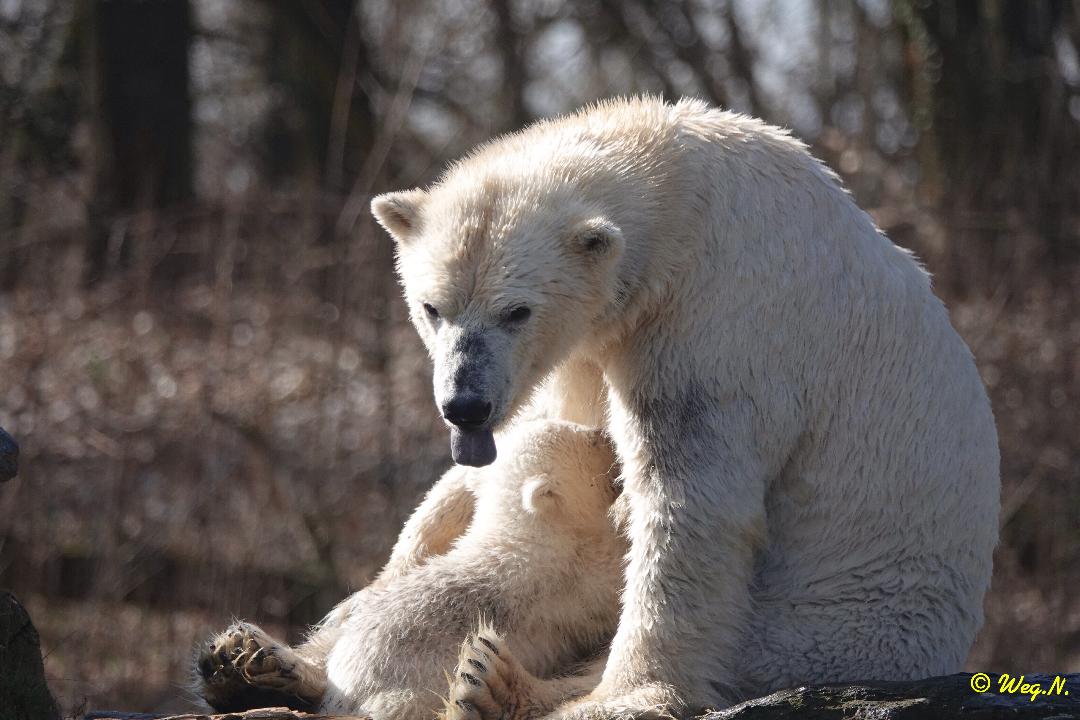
<point>809,454</point>
<point>526,544</point>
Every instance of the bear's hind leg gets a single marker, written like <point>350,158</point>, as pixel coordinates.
<point>244,668</point>
<point>490,684</point>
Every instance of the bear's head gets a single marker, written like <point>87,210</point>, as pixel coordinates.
<point>504,279</point>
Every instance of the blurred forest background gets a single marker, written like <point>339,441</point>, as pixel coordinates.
<point>203,352</point>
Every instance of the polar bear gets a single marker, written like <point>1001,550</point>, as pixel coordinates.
<point>809,456</point>
<point>527,544</point>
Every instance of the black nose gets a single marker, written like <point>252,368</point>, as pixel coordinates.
<point>466,411</point>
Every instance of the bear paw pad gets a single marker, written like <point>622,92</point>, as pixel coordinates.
<point>244,668</point>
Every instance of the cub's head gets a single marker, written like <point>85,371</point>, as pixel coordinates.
<point>504,279</point>
<point>558,471</point>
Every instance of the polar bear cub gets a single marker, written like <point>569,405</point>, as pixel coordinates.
<point>533,553</point>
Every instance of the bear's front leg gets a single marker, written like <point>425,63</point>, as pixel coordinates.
<point>442,516</point>
<point>695,485</point>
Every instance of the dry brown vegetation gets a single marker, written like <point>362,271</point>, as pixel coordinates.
<point>186,457</point>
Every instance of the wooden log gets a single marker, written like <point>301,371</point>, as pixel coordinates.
<point>23,691</point>
<point>962,696</point>
<point>951,697</point>
<point>279,713</point>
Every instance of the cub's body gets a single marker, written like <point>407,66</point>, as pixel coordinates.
<point>526,546</point>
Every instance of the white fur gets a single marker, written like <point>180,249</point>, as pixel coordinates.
<point>535,555</point>
<point>810,458</point>
<point>526,549</point>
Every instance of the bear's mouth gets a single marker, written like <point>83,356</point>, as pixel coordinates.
<point>475,448</point>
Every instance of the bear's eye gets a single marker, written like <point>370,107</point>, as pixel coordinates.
<point>519,314</point>
<point>432,313</point>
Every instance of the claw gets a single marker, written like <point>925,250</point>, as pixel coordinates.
<point>478,665</point>
<point>206,666</point>
<point>489,645</point>
<point>472,646</point>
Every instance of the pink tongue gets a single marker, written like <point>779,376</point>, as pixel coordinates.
<point>475,448</point>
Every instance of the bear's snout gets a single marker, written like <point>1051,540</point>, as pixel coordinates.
<point>467,411</point>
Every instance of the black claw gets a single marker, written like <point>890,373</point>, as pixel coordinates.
<point>489,645</point>
<point>465,705</point>
<point>478,665</point>
<point>470,679</point>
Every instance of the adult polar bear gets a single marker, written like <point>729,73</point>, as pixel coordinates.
<point>808,452</point>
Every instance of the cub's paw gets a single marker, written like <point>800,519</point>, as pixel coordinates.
<point>489,683</point>
<point>244,668</point>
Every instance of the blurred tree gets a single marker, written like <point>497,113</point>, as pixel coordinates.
<point>321,124</point>
<point>136,84</point>
<point>38,113</point>
<point>989,92</point>
<point>664,38</point>
<point>509,40</point>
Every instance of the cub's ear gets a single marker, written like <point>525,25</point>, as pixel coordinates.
<point>597,238</point>
<point>399,212</point>
<point>537,494</point>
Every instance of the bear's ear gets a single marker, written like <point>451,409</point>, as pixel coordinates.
<point>537,494</point>
<point>399,212</point>
<point>597,238</point>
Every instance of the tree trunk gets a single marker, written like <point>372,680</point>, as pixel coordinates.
<point>996,117</point>
<point>323,125</point>
<point>508,41</point>
<point>23,692</point>
<point>137,85</point>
